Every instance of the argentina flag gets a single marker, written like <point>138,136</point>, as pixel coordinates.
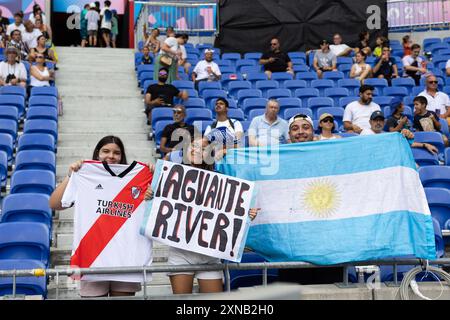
<point>336,201</point>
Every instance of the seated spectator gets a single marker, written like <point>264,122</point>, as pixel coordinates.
<point>397,121</point>
<point>169,55</point>
<point>206,70</point>
<point>360,70</point>
<point>92,18</point>
<point>385,66</point>
<point>326,128</point>
<point>176,134</point>
<point>338,48</point>
<point>146,58</point>
<point>438,101</point>
<point>406,40</point>
<point>376,127</point>
<point>42,49</point>
<point>276,60</point>
<point>16,42</point>
<point>40,75</point>
<point>426,120</point>
<point>381,43</point>
<point>44,28</point>
<point>37,11</point>
<point>268,129</point>
<point>222,121</point>
<point>414,66</point>
<point>30,36</point>
<point>301,128</point>
<point>447,68</point>
<point>17,25</point>
<point>324,59</point>
<point>161,94</point>
<point>357,113</point>
<point>363,43</point>
<point>12,72</point>
<point>151,40</point>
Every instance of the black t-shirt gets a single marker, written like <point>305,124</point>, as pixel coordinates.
<point>148,60</point>
<point>280,63</point>
<point>425,123</point>
<point>167,92</point>
<point>386,67</point>
<point>171,128</point>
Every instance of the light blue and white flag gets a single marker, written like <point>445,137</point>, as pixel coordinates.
<point>336,201</point>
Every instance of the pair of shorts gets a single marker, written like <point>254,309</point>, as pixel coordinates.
<point>84,33</point>
<point>179,257</point>
<point>113,36</point>
<point>105,31</point>
<point>102,288</point>
<point>92,33</point>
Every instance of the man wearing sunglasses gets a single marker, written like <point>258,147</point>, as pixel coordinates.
<point>275,60</point>
<point>438,101</point>
<point>161,94</point>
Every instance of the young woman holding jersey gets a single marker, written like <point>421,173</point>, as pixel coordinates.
<point>109,149</point>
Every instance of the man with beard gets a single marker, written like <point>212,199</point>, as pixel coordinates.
<point>301,128</point>
<point>206,70</point>
<point>357,113</point>
<point>161,94</point>
<point>275,60</point>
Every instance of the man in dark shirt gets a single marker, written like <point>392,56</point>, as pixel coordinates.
<point>161,94</point>
<point>178,132</point>
<point>275,60</point>
<point>385,66</point>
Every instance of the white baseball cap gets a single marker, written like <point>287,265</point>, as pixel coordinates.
<point>299,116</point>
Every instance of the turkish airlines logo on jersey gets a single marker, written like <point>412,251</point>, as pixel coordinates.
<point>135,192</point>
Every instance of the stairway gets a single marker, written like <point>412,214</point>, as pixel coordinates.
<point>100,97</point>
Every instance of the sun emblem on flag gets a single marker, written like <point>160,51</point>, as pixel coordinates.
<point>321,198</point>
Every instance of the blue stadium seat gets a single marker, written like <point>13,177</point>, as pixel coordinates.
<point>16,101</point>
<point>278,93</point>
<point>228,69</point>
<point>435,176</point>
<point>318,102</point>
<point>158,130</point>
<point>3,168</point>
<point>203,46</point>
<point>27,207</point>
<point>42,126</point>
<point>13,90</point>
<point>42,113</point>
<point>233,56</point>
<point>209,94</point>
<point>336,94</point>
<point>244,63</point>
<point>408,101</point>
<point>208,85</point>
<point>265,85</point>
<point>250,69</point>
<point>289,103</point>
<point>148,83</point>
<point>44,91</point>
<point>298,62</point>
<point>145,76</point>
<point>446,89</point>
<point>281,76</point>
<point>161,113</point>
<point>407,83</point>
<point>36,159</point>
<point>336,112</point>
<point>194,103</point>
<point>427,42</point>
<point>193,115</point>
<point>438,237</point>
<point>300,68</point>
<point>345,69</point>
<point>255,112</point>
<point>235,86</point>
<point>343,102</point>
<point>344,60</point>
<point>297,55</point>
<point>379,84</point>
<point>9,112</point>
<point>253,103</point>
<point>333,75</point>
<point>437,47</point>
<point>237,114</point>
<point>444,127</point>
<point>9,126</point>
<point>416,90</point>
<point>36,141</point>
<point>253,77</point>
<point>434,138</point>
<point>447,156</point>
<point>182,84</point>
<point>439,203</point>
<point>7,145</point>
<point>25,240</point>
<point>294,84</point>
<point>33,181</point>
<point>305,93</point>
<point>144,68</point>
<point>382,101</point>
<point>43,101</point>
<point>24,285</point>
<point>183,76</point>
<point>352,85</point>
<point>248,93</point>
<point>424,158</point>
<point>290,112</point>
<point>253,56</point>
<point>307,76</point>
<point>245,125</point>
<point>202,125</point>
<point>321,85</point>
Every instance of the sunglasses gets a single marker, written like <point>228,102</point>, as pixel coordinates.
<point>273,44</point>
<point>39,57</point>
<point>435,82</point>
<point>327,120</point>
<point>177,111</point>
<point>163,73</point>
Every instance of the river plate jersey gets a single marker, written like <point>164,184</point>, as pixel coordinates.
<point>109,209</point>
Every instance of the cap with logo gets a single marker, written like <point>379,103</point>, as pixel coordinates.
<point>377,115</point>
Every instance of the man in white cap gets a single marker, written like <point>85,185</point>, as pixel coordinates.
<point>206,70</point>
<point>301,128</point>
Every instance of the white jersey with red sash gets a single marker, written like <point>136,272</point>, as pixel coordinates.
<point>109,209</point>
